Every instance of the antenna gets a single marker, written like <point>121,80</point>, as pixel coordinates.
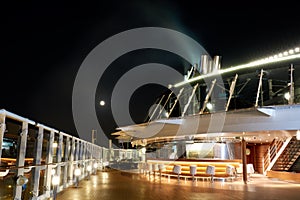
<point>291,99</point>
<point>94,136</point>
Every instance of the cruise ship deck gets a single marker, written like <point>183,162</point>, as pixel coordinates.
<point>212,146</point>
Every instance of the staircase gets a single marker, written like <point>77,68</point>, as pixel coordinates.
<point>296,166</point>
<point>276,148</point>
<point>289,159</point>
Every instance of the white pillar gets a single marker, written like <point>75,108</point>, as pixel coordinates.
<point>2,131</point>
<point>49,160</point>
<point>21,159</point>
<point>71,165</point>
<point>67,165</point>
<point>58,156</point>
<point>36,170</point>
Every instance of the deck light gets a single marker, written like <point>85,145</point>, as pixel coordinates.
<point>55,183</point>
<point>102,103</point>
<point>55,180</point>
<point>95,165</point>
<point>22,180</point>
<point>77,172</point>
<point>89,168</point>
<point>209,106</point>
<point>55,145</point>
<point>287,95</point>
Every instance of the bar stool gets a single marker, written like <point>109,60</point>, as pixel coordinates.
<point>177,170</point>
<point>193,171</point>
<point>145,168</point>
<point>230,171</point>
<point>155,168</point>
<point>140,167</point>
<point>210,169</point>
<point>239,170</point>
<point>161,167</point>
<point>250,170</point>
<point>149,168</point>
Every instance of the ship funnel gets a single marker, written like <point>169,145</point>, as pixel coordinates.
<point>204,64</point>
<point>216,64</point>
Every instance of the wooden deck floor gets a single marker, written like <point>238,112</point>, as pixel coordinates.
<point>118,185</point>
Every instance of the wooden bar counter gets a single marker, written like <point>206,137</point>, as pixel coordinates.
<point>201,165</point>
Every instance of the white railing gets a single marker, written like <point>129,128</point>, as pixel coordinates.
<point>38,161</point>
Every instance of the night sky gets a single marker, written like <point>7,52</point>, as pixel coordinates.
<point>44,44</point>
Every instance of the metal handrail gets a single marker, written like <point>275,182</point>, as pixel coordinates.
<point>45,165</point>
<point>271,152</point>
<point>274,151</point>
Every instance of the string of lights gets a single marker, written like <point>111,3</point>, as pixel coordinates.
<point>283,56</point>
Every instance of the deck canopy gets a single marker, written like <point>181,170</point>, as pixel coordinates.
<point>254,124</point>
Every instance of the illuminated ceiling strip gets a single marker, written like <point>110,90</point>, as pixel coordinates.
<point>273,59</point>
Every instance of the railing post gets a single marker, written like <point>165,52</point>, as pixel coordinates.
<point>67,165</point>
<point>77,150</point>
<point>77,147</point>
<point>49,160</point>
<point>21,159</point>
<point>87,149</point>
<point>71,164</point>
<point>80,158</point>
<point>2,131</point>
<point>37,161</point>
<point>83,157</point>
<point>58,156</point>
